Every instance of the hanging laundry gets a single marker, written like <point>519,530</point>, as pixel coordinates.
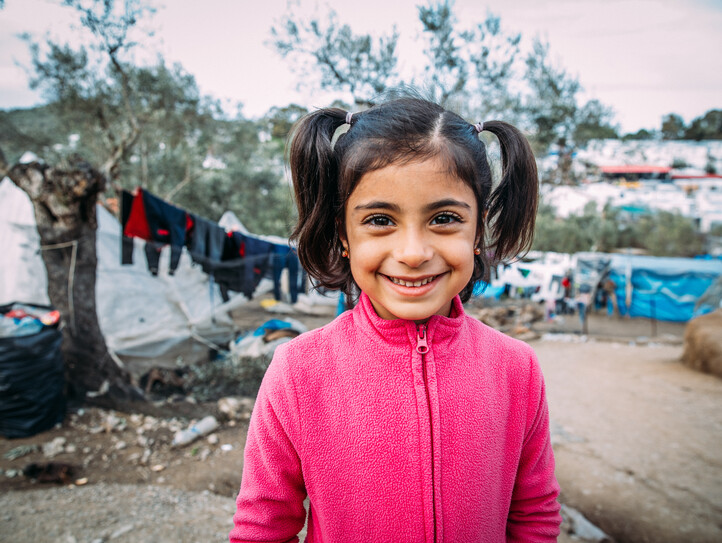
<point>152,255</point>
<point>126,243</point>
<point>207,240</point>
<point>153,219</point>
<point>284,257</point>
<point>236,261</point>
<point>253,257</point>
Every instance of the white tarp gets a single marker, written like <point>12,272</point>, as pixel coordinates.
<point>146,320</point>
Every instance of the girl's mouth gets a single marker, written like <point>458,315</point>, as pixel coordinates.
<point>418,283</point>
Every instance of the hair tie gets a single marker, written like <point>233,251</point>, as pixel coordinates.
<point>349,115</point>
<point>479,127</point>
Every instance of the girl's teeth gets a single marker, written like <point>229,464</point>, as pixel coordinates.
<point>411,283</point>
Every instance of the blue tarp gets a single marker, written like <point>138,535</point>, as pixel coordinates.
<point>662,288</point>
<point>486,290</point>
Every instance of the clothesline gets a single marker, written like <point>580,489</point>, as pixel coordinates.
<point>237,261</point>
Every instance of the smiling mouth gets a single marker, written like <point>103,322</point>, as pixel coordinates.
<point>419,283</point>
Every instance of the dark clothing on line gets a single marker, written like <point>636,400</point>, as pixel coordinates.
<point>126,243</point>
<point>245,261</point>
<point>207,242</point>
<point>152,255</point>
<point>154,219</point>
<point>285,257</point>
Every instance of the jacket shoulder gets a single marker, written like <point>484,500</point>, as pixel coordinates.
<point>497,340</point>
<point>308,347</point>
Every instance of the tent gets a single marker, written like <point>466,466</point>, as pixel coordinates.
<point>661,288</point>
<point>147,321</point>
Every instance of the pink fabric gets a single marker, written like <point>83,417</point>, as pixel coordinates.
<point>393,445</point>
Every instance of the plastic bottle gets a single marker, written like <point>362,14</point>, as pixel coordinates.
<point>201,428</point>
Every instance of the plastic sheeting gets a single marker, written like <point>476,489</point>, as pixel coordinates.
<point>147,321</point>
<point>661,288</point>
<point>22,273</point>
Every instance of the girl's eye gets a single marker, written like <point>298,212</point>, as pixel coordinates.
<point>446,218</point>
<point>378,220</point>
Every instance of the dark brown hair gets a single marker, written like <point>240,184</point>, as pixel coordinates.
<point>406,130</point>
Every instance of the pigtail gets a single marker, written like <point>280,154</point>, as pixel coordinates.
<point>513,204</point>
<point>314,171</point>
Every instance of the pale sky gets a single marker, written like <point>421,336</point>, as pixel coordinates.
<point>644,58</point>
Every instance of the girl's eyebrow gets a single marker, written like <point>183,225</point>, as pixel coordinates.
<point>448,202</point>
<point>377,205</point>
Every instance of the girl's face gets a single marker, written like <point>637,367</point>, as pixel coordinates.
<point>410,235</point>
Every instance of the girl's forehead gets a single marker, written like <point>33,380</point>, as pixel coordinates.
<point>412,182</point>
<point>428,173</point>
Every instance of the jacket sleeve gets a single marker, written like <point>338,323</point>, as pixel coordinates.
<point>534,512</point>
<point>269,507</point>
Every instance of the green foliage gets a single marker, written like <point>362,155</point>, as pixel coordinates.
<point>469,69</point>
<point>147,125</point>
<point>641,134</point>
<point>716,230</point>
<point>552,105</point>
<point>594,121</point>
<point>280,120</point>
<point>670,234</point>
<point>571,235</point>
<point>251,183</point>
<point>706,127</point>
<point>555,114</point>
<point>672,127</point>
<point>35,130</point>
<point>473,70</point>
<point>343,60</point>
<point>658,233</point>
<point>446,73</point>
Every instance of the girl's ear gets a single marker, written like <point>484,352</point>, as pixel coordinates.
<point>477,241</point>
<point>342,233</point>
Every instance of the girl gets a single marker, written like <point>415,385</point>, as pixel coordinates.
<point>403,420</point>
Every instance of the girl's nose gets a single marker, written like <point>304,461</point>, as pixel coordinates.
<point>413,250</point>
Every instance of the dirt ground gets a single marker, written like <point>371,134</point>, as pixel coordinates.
<point>637,438</point>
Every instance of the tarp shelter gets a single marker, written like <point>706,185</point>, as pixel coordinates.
<point>660,288</point>
<point>538,278</point>
<point>147,321</point>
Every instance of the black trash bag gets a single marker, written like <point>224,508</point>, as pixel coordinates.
<point>32,382</point>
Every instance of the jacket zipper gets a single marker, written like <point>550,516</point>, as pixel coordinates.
<point>422,347</point>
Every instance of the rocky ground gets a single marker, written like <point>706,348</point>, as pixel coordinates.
<point>636,435</point>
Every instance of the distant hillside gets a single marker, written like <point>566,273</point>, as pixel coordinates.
<point>34,129</point>
<point>679,154</point>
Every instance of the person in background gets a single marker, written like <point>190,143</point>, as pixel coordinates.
<point>584,298</point>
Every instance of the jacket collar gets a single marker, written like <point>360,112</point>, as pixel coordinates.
<point>402,331</point>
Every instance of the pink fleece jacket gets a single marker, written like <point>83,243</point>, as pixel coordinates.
<point>400,433</point>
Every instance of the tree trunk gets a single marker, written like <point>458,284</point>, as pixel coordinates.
<point>64,203</point>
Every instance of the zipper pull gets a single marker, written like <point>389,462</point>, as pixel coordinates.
<point>421,345</point>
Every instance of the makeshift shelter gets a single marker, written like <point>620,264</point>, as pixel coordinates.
<point>660,288</point>
<point>147,321</point>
